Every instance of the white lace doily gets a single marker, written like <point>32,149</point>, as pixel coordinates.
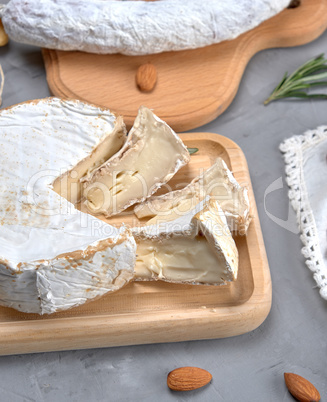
<point>306,174</point>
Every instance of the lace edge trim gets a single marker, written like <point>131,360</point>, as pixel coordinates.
<point>292,149</point>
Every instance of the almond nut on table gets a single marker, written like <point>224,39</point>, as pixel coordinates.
<point>301,388</point>
<point>188,378</point>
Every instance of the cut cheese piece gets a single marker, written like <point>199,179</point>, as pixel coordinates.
<point>212,223</point>
<point>52,256</point>
<point>196,248</point>
<point>151,156</point>
<point>69,184</point>
<point>218,182</point>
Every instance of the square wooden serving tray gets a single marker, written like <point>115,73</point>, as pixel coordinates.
<point>152,312</point>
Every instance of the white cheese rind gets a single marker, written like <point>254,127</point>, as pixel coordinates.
<point>150,157</point>
<point>196,248</point>
<point>49,286</point>
<point>133,27</point>
<point>86,278</point>
<point>42,235</point>
<point>217,182</point>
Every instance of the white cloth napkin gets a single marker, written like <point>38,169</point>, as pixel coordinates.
<point>306,174</point>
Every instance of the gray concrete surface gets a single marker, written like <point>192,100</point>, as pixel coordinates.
<point>249,367</point>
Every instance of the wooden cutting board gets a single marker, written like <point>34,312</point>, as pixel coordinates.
<point>194,86</point>
<point>152,312</point>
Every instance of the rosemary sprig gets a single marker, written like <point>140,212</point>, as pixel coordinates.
<point>305,77</point>
<point>192,150</point>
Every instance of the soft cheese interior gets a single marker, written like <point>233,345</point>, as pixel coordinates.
<point>195,248</point>
<point>152,154</point>
<point>52,256</point>
<point>69,184</point>
<point>179,260</point>
<point>218,182</point>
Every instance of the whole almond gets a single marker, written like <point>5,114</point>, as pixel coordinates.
<point>301,388</point>
<point>188,378</point>
<point>294,4</point>
<point>146,77</point>
<point>3,36</point>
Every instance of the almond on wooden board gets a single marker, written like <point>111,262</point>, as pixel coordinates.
<point>146,77</point>
<point>188,378</point>
<point>301,388</point>
<point>294,4</point>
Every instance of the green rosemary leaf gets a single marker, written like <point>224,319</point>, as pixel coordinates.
<point>310,74</point>
<point>318,83</point>
<point>282,81</point>
<point>192,150</point>
<point>314,69</point>
<point>316,63</point>
<point>306,96</point>
<point>317,96</point>
<point>314,77</point>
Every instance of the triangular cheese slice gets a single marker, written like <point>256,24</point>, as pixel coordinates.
<point>196,248</point>
<point>218,182</point>
<point>150,157</point>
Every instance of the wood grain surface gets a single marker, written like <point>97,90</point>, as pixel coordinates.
<point>152,312</point>
<point>193,86</point>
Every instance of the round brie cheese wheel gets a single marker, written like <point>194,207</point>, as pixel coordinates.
<point>52,256</point>
<point>133,27</point>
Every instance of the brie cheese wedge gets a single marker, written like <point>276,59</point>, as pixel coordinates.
<point>52,256</point>
<point>218,182</point>
<point>196,248</point>
<point>150,157</point>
